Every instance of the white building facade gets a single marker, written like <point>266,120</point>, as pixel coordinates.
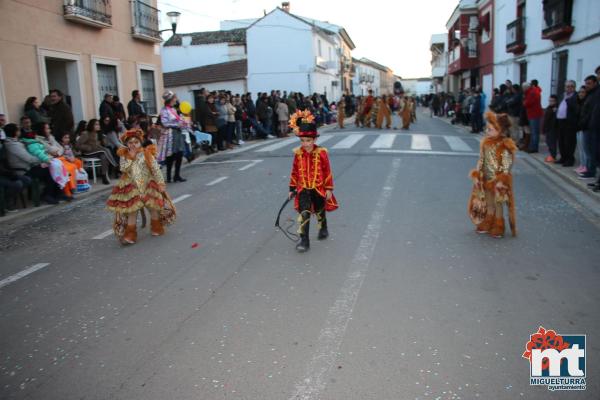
<point>438,46</point>
<point>286,52</point>
<point>190,50</point>
<point>366,78</point>
<point>549,41</point>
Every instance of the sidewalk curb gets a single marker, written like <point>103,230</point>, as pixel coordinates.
<point>24,216</point>
<point>537,162</point>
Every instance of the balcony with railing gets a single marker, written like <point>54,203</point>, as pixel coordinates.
<point>145,21</point>
<point>515,36</point>
<point>96,13</point>
<point>557,19</point>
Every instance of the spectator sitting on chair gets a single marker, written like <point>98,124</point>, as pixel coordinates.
<point>39,146</point>
<point>25,125</point>
<point>43,134</point>
<point>71,163</point>
<point>90,147</point>
<point>110,136</point>
<point>12,183</point>
<point>57,150</point>
<point>22,162</point>
<point>80,128</point>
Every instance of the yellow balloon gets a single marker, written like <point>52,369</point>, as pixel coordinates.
<point>185,107</point>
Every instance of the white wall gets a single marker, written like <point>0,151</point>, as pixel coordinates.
<point>186,93</point>
<point>363,88</point>
<point>582,59</point>
<point>280,54</point>
<point>423,87</point>
<point>175,58</point>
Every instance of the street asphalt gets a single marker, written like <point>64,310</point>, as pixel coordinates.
<point>403,301</point>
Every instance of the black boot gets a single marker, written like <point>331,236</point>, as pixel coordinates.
<point>323,232</point>
<point>304,220</point>
<point>304,244</point>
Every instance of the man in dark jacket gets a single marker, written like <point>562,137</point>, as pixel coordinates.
<point>106,107</point>
<point>135,108</point>
<point>588,124</point>
<point>60,114</point>
<point>594,124</point>
<point>514,106</point>
<point>566,119</point>
<point>201,110</point>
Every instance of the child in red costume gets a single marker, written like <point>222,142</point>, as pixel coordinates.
<point>311,179</point>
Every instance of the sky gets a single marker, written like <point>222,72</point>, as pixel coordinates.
<point>394,33</point>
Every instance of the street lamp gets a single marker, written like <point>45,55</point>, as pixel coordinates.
<point>173,19</point>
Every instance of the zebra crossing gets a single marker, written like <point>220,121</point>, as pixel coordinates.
<point>415,143</point>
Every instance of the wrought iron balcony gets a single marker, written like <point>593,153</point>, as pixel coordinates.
<point>96,13</point>
<point>557,19</point>
<point>145,21</point>
<point>515,36</point>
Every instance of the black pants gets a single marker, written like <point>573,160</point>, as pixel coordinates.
<point>567,141</point>
<point>310,201</point>
<point>51,188</point>
<point>177,158</point>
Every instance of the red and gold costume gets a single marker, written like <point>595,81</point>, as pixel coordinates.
<point>311,180</point>
<point>311,171</point>
<point>369,102</point>
<point>139,187</point>
<point>384,112</point>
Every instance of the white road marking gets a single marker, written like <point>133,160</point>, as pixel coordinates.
<point>349,141</point>
<point>252,164</point>
<point>457,144</point>
<point>332,334</point>
<point>245,147</point>
<point>384,141</point>
<point>182,197</point>
<point>221,179</point>
<point>103,235</point>
<point>420,142</point>
<point>278,145</point>
<point>109,232</point>
<point>323,139</point>
<point>430,152</point>
<point>19,275</point>
<point>226,162</point>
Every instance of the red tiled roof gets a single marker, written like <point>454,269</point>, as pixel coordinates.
<point>227,71</point>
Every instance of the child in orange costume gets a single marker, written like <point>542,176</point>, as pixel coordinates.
<point>141,186</point>
<point>311,179</point>
<point>493,179</point>
<point>384,112</point>
<point>71,163</point>
<point>341,113</point>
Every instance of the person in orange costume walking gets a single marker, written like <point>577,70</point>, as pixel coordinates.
<point>405,112</point>
<point>384,112</point>
<point>341,112</point>
<point>141,186</point>
<point>492,179</point>
<point>311,179</point>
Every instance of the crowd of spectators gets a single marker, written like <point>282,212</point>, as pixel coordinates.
<point>570,124</point>
<point>46,148</point>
